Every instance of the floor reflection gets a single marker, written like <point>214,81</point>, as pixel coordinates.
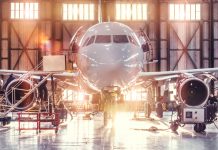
<point>123,133</point>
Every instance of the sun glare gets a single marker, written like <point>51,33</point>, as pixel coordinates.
<point>136,95</point>
<point>70,95</point>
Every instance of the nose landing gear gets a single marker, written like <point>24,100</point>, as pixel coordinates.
<point>109,97</point>
<point>174,126</point>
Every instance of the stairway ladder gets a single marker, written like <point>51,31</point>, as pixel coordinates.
<point>148,41</point>
<point>27,94</point>
<point>65,106</point>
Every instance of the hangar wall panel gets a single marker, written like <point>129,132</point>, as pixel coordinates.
<point>184,37</point>
<point>164,53</point>
<point>4,63</point>
<point>4,49</point>
<point>187,41</point>
<point>4,37</point>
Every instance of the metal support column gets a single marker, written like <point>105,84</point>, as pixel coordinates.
<point>53,26</point>
<point>9,44</point>
<point>53,93</point>
<point>158,35</point>
<point>168,42</point>
<point>0,34</point>
<point>211,32</point>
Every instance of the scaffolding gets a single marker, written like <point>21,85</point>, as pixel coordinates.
<point>36,121</point>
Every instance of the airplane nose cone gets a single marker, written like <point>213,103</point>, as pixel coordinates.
<point>113,70</point>
<point>111,65</point>
<point>109,54</point>
<point>112,74</point>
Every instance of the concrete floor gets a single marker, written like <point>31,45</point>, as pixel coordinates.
<point>125,133</point>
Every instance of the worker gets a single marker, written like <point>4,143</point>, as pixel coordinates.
<point>75,47</point>
<point>43,91</point>
<point>1,88</point>
<point>10,78</point>
<point>211,107</point>
<point>63,112</point>
<point>212,99</point>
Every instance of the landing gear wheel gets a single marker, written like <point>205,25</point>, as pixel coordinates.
<point>135,115</point>
<point>56,131</point>
<point>105,118</point>
<point>113,114</point>
<point>4,123</point>
<point>199,127</point>
<point>203,126</point>
<point>159,110</point>
<point>147,110</point>
<point>174,126</point>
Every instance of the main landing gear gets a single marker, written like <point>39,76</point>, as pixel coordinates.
<point>199,127</point>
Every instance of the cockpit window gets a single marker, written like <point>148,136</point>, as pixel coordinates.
<point>132,40</point>
<point>120,39</point>
<point>103,39</point>
<point>91,40</point>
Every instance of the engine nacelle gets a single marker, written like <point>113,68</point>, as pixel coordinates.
<point>193,92</point>
<point>16,90</point>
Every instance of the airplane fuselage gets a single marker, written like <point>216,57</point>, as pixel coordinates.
<point>110,55</point>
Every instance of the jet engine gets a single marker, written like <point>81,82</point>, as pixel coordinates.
<point>196,107</point>
<point>193,92</point>
<point>16,90</point>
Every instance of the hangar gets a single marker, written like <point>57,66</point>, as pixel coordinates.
<point>108,74</point>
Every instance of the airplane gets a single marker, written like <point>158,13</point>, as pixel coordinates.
<point>110,59</point>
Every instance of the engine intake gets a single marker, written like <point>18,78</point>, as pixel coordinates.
<point>16,90</point>
<point>193,92</point>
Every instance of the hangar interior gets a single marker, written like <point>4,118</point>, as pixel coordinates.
<point>49,28</point>
<point>183,34</point>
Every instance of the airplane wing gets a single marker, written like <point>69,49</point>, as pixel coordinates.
<point>63,77</point>
<point>54,73</point>
<point>164,75</point>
